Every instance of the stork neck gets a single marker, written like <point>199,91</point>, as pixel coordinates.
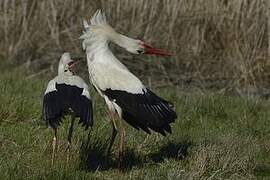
<point>121,40</point>
<point>60,68</point>
<point>96,47</point>
<point>101,54</point>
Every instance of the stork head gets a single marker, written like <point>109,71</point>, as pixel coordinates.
<point>100,31</point>
<point>66,63</point>
<point>139,47</point>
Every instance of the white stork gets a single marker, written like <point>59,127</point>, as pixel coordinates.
<point>123,92</point>
<point>66,93</point>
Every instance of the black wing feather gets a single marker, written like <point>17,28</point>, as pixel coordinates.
<point>83,109</point>
<point>52,111</point>
<point>144,111</point>
<point>67,97</point>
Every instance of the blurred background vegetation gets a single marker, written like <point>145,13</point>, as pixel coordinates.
<point>217,45</point>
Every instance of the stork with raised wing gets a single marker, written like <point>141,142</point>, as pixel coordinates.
<point>66,93</point>
<point>123,92</point>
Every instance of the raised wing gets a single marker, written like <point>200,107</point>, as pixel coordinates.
<point>60,98</point>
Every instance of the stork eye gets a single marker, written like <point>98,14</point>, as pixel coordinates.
<point>140,51</point>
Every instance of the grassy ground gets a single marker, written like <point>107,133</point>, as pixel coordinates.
<point>214,137</point>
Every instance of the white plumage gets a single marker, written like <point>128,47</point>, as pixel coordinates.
<point>66,93</point>
<point>71,93</point>
<point>123,92</point>
<point>68,79</point>
<point>105,70</point>
<point>63,63</point>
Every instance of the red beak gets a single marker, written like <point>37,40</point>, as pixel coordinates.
<point>150,50</point>
<point>71,65</point>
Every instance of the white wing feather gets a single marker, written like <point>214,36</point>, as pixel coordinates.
<point>68,80</point>
<point>51,86</point>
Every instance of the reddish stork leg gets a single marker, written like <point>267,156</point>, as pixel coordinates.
<point>54,145</point>
<point>121,146</point>
<point>114,132</point>
<point>69,137</point>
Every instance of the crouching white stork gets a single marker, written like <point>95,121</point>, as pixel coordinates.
<point>123,92</point>
<point>66,93</point>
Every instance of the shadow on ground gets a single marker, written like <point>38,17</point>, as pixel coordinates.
<point>171,150</point>
<point>93,155</point>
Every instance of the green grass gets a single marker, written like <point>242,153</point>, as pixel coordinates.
<point>215,136</point>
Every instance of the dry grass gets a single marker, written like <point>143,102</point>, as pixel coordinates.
<point>217,160</point>
<point>217,44</point>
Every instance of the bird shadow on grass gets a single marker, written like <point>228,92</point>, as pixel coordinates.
<point>93,155</point>
<point>171,150</point>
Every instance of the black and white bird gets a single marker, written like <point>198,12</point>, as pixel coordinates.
<point>123,92</point>
<point>67,93</point>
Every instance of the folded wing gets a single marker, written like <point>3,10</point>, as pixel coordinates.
<point>144,110</point>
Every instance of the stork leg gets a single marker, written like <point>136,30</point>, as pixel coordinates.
<point>69,137</point>
<point>114,133</point>
<point>121,146</point>
<point>54,145</point>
